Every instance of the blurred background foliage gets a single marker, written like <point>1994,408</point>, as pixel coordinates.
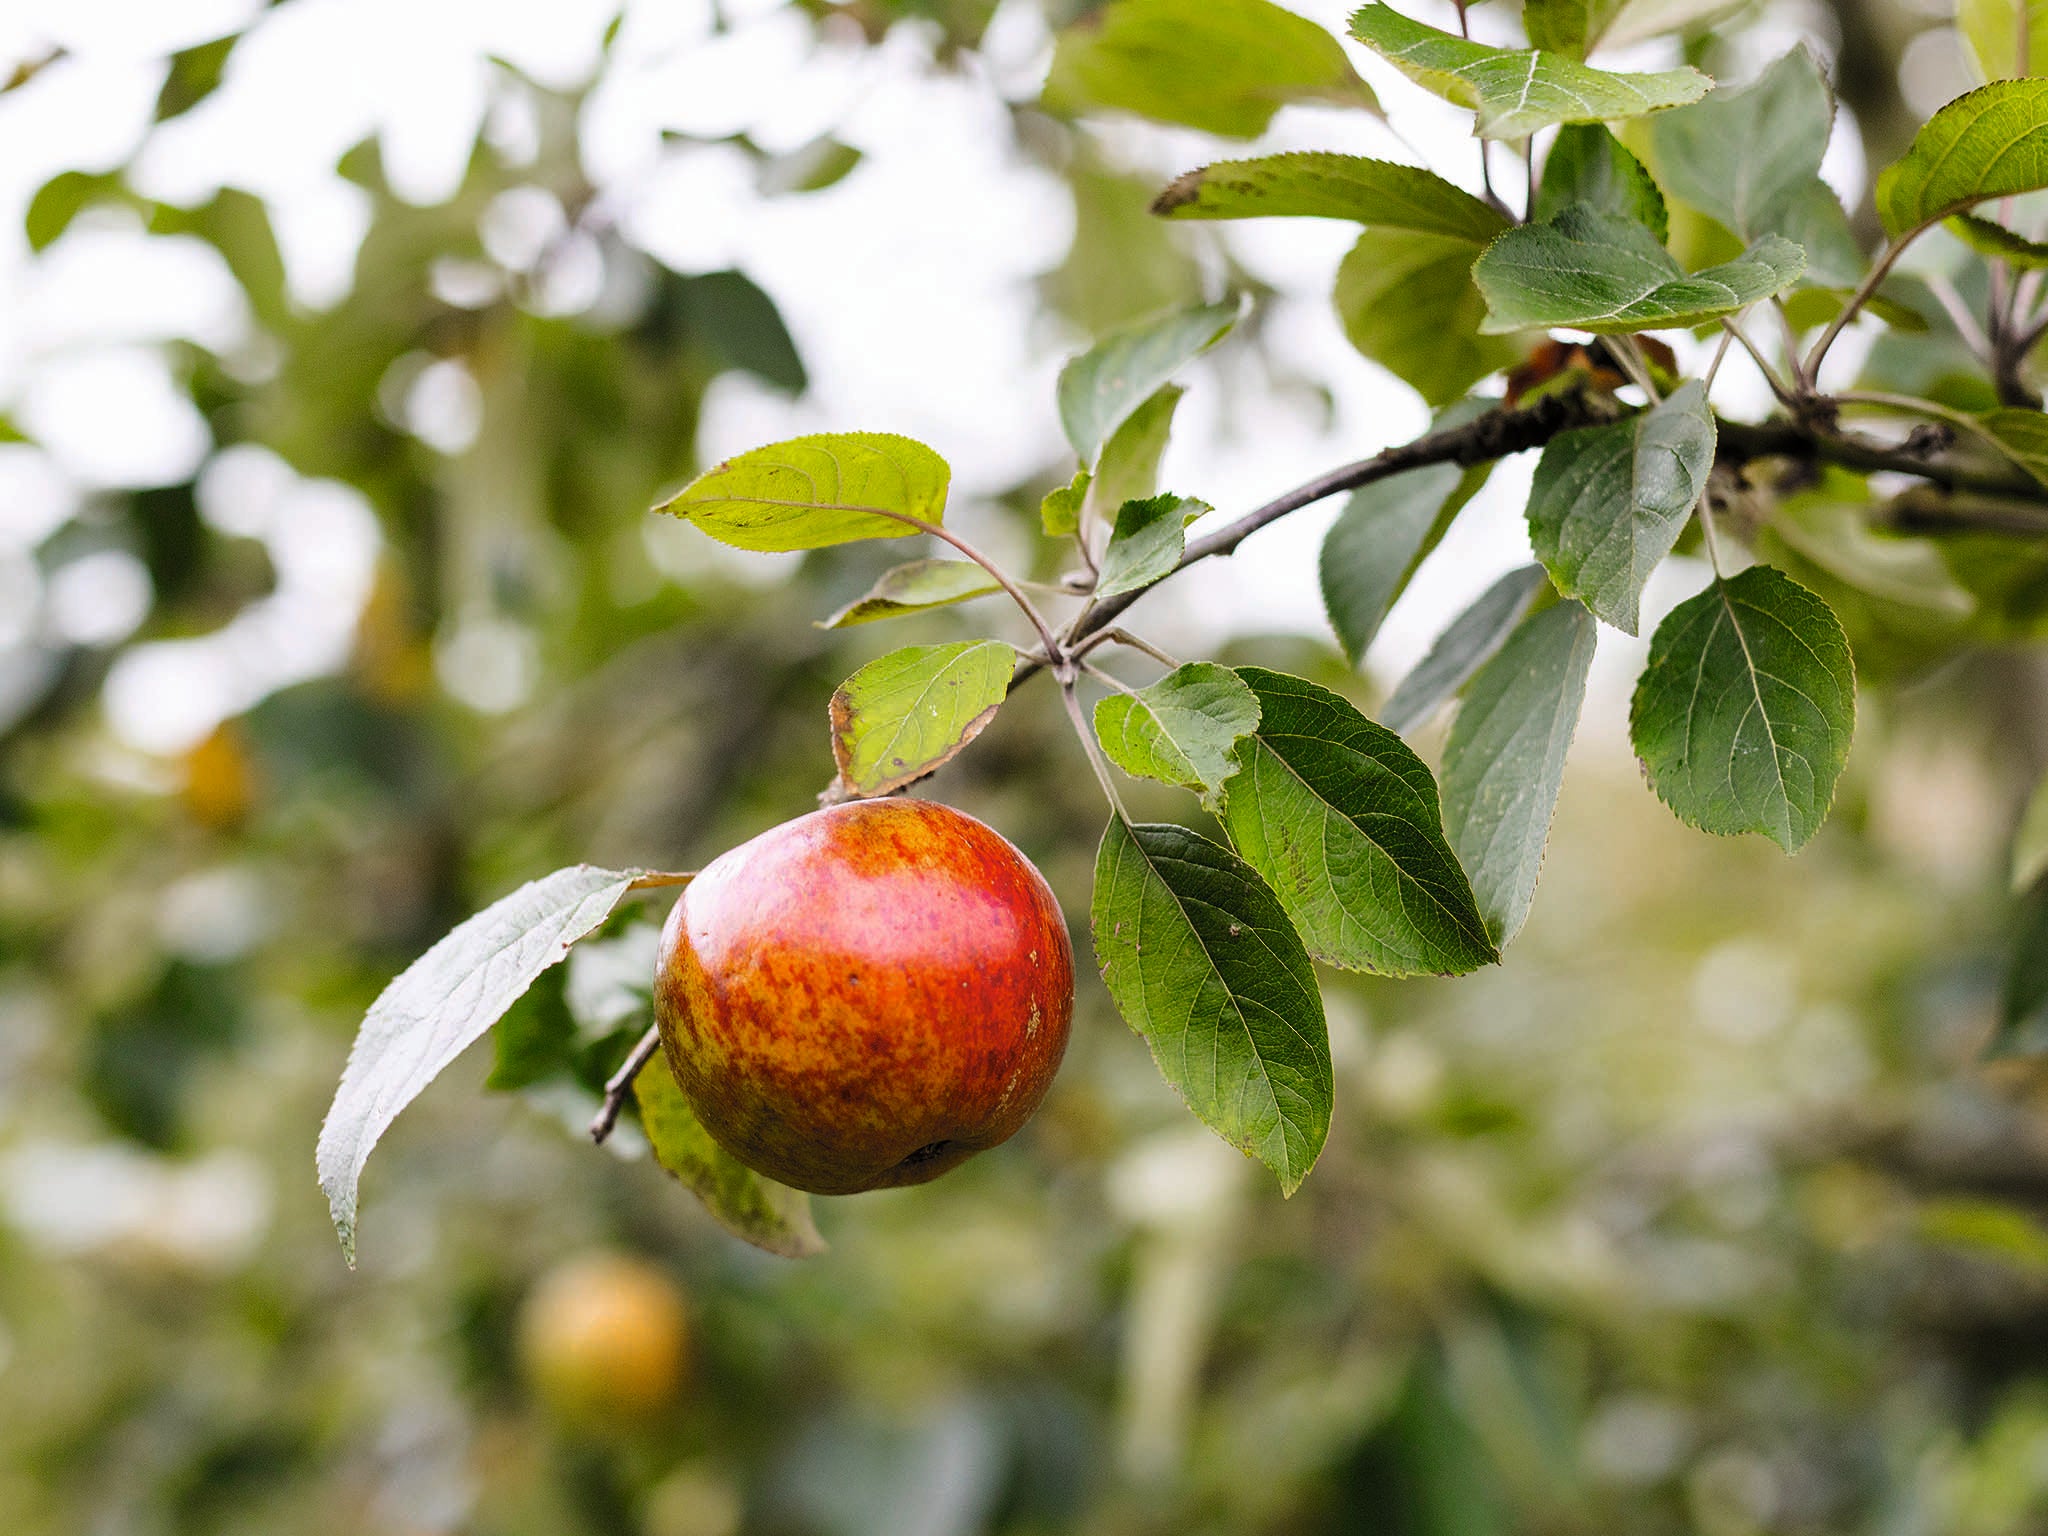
<point>1702,1214</point>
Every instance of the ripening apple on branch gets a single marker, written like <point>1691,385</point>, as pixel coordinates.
<point>867,995</point>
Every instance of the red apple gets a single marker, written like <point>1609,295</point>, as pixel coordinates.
<point>866,996</point>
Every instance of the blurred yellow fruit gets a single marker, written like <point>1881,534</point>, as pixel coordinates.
<point>603,1338</point>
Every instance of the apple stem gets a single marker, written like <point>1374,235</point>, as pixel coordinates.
<point>620,1083</point>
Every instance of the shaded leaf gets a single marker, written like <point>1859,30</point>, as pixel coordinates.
<point>1743,716</point>
<point>1992,142</point>
<point>1180,729</point>
<point>1378,540</point>
<point>1587,164</point>
<point>1990,239</point>
<point>1201,960</point>
<point>752,1208</point>
<point>1516,91</point>
<point>1608,502</point>
<point>2023,1002</point>
<point>915,588</point>
<point>1313,184</point>
<point>2030,842</point>
<point>2022,435</point>
<point>1744,155</point>
<point>443,1002</point>
<point>1341,819</point>
<point>1407,301</point>
<point>1463,648</point>
<point>1146,542</point>
<point>1504,762</point>
<point>1594,272</point>
<point>905,714</point>
<point>1100,389</point>
<point>1223,66</point>
<point>829,488</point>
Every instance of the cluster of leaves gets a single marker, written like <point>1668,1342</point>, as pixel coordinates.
<point>1340,846</point>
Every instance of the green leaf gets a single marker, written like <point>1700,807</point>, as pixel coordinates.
<point>1743,716</point>
<point>193,76</point>
<point>2023,1005</point>
<point>61,199</point>
<point>2021,435</point>
<point>1100,389</point>
<point>1180,729</point>
<point>1504,762</point>
<point>1341,819</point>
<point>1202,961</point>
<point>1992,142</point>
<point>907,713</point>
<point>1407,301</point>
<point>915,588</point>
<point>753,1209</point>
<point>1991,239</point>
<point>1146,542</point>
<point>443,1002</point>
<point>1992,29</point>
<point>1743,156</point>
<point>829,488</point>
<point>1812,219</point>
<point>1312,184</point>
<point>1594,272</point>
<point>1376,544</point>
<point>1569,26</point>
<point>1463,648</point>
<point>1587,164</point>
<point>1608,502</point>
<point>1128,467</point>
<point>1517,91</point>
<point>1060,511</point>
<point>2030,842</point>
<point>1223,66</point>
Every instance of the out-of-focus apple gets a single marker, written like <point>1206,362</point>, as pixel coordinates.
<point>604,1339</point>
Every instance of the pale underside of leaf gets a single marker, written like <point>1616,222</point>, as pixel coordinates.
<point>442,1003</point>
<point>1504,762</point>
<point>1463,648</point>
<point>916,587</point>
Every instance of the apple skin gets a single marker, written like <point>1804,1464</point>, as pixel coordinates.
<point>866,996</point>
